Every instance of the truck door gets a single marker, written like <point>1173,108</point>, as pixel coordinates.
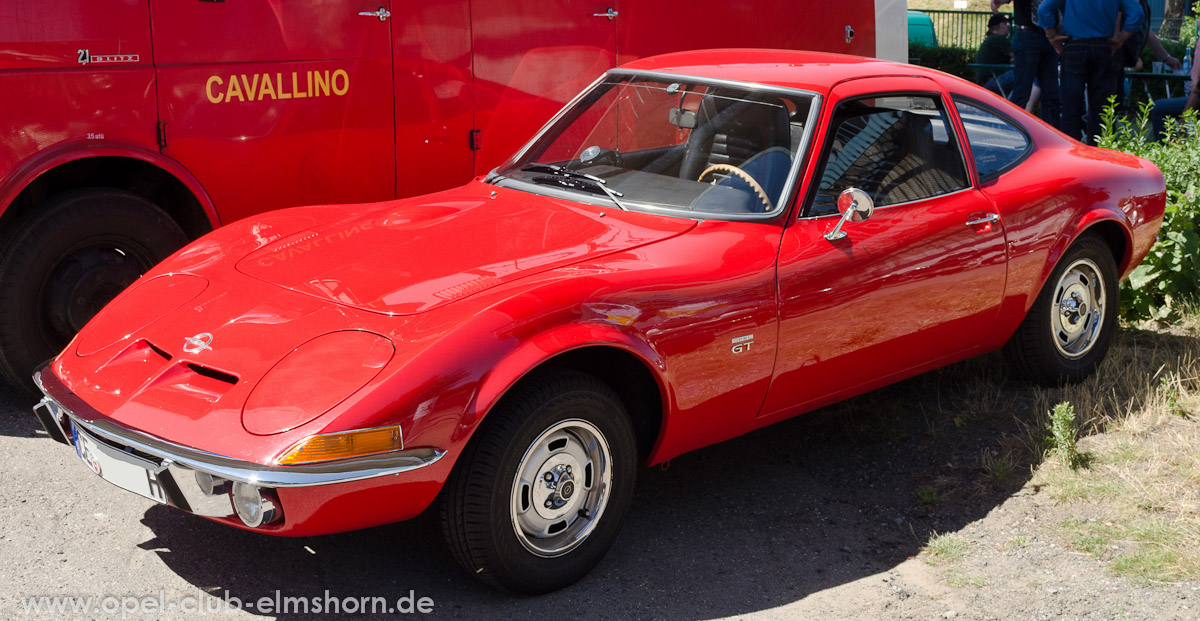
<point>530,59</point>
<point>432,51</point>
<point>273,105</point>
<point>647,28</point>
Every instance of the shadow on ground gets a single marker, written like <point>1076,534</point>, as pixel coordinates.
<point>20,422</point>
<point>747,525</point>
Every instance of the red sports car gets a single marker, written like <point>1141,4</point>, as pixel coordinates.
<point>699,245</point>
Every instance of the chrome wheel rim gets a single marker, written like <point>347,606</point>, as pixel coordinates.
<point>561,488</point>
<point>1078,309</point>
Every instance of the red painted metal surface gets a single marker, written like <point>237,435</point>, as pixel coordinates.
<point>264,106</point>
<point>740,323</point>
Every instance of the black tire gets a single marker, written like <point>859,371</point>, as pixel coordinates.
<point>1064,336</point>
<point>63,263</point>
<point>482,502</point>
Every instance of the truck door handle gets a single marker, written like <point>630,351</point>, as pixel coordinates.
<point>610,14</point>
<point>382,14</point>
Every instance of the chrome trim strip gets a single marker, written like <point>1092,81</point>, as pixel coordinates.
<point>327,473</point>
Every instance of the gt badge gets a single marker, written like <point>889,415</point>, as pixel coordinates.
<point>742,344</point>
<point>198,343</point>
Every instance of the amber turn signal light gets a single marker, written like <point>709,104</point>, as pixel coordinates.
<point>343,445</point>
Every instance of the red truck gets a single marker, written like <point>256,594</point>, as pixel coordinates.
<point>133,126</point>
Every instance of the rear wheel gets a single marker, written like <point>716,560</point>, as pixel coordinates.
<point>539,497</point>
<point>61,265</point>
<point>1068,330</point>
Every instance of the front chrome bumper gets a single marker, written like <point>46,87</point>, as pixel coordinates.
<point>178,465</point>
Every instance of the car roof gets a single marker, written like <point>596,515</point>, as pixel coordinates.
<point>812,71</point>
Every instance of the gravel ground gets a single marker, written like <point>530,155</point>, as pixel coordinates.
<point>814,518</point>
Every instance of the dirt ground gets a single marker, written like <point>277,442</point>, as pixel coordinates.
<point>919,501</point>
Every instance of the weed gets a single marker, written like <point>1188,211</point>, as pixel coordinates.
<point>1063,433</point>
<point>928,497</point>
<point>958,580</point>
<point>1020,541</point>
<point>945,548</point>
<point>996,468</point>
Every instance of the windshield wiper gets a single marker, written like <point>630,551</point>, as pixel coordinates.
<point>574,174</point>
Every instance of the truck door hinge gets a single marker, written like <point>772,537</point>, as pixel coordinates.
<point>162,135</point>
<point>474,140</point>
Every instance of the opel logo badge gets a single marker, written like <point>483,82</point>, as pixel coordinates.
<point>198,343</point>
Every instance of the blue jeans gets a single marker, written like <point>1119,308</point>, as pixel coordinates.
<point>1087,68</point>
<point>1034,57</point>
<point>1164,108</point>
<point>1000,82</point>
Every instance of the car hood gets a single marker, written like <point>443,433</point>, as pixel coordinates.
<point>419,254</point>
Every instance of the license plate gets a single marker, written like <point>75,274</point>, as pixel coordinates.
<point>126,471</point>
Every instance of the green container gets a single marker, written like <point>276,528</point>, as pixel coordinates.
<point>920,28</point>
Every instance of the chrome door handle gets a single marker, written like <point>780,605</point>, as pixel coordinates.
<point>610,14</point>
<point>382,14</point>
<point>991,218</point>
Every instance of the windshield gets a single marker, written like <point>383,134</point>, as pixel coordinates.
<point>664,145</point>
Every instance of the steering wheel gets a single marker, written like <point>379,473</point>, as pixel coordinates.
<point>740,174</point>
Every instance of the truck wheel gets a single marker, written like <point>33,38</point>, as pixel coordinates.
<point>1066,333</point>
<point>537,499</point>
<point>62,264</point>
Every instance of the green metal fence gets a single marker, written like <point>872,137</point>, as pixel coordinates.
<point>960,28</point>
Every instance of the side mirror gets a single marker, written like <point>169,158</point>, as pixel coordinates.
<point>855,206</point>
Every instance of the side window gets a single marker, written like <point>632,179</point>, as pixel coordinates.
<point>896,149</point>
<point>995,142</point>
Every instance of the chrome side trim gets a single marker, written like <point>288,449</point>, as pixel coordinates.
<point>62,402</point>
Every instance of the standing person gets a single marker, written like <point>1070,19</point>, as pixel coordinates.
<point>1085,43</point>
<point>995,50</point>
<point>1033,58</point>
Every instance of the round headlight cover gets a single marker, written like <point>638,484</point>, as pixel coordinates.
<point>313,378</point>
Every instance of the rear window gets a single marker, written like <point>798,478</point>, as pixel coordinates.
<point>996,143</point>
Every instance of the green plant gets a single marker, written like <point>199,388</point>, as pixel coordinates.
<point>927,496</point>
<point>996,468</point>
<point>952,60</point>
<point>1165,283</point>
<point>945,547</point>
<point>1063,432</point>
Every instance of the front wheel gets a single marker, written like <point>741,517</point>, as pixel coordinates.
<point>60,266</point>
<point>1068,330</point>
<point>539,497</point>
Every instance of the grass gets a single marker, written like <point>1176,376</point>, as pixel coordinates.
<point>928,497</point>
<point>996,467</point>
<point>1141,490</point>
<point>1147,550</point>
<point>960,580</point>
<point>1020,541</point>
<point>1136,504</point>
<point>944,548</point>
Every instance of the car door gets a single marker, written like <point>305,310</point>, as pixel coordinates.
<point>273,104</point>
<point>912,287</point>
